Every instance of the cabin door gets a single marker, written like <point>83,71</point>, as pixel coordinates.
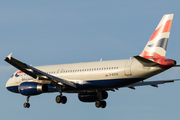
<point>127,69</point>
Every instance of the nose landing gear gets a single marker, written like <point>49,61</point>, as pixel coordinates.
<point>27,104</point>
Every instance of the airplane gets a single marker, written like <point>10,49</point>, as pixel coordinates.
<point>93,80</point>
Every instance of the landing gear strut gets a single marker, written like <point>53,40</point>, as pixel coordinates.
<point>27,104</point>
<point>60,98</point>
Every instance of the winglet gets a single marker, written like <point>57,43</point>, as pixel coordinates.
<point>9,56</point>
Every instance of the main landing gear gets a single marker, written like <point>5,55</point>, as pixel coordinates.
<point>101,95</point>
<point>101,104</point>
<point>27,104</point>
<point>60,98</point>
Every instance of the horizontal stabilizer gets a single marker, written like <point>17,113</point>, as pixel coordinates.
<point>146,62</point>
<point>176,66</point>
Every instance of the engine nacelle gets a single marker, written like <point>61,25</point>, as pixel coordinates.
<point>32,88</point>
<point>88,97</point>
<point>92,96</point>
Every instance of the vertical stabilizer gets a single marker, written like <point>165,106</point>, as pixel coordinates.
<point>157,44</point>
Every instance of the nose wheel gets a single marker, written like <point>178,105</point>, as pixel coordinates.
<point>27,104</point>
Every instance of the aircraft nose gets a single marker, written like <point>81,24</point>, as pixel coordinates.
<point>11,86</point>
<point>8,85</point>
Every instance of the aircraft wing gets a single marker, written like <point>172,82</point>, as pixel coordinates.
<point>34,72</point>
<point>152,83</point>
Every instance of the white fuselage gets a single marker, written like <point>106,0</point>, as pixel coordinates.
<point>93,75</point>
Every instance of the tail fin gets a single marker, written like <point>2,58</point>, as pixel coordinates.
<point>156,46</point>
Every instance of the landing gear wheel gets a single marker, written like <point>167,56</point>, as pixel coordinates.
<point>58,99</point>
<point>61,99</point>
<point>98,104</point>
<point>103,104</point>
<point>64,99</point>
<point>26,105</point>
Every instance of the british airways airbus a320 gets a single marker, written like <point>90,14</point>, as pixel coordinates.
<point>92,80</point>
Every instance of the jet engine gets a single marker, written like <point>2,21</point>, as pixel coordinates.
<point>32,88</point>
<point>92,96</point>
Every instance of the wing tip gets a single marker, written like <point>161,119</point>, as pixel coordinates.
<point>9,56</point>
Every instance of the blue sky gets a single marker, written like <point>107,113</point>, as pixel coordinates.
<point>47,32</point>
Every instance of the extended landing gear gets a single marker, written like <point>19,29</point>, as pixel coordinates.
<point>27,104</point>
<point>101,95</point>
<point>61,99</point>
<point>101,104</point>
